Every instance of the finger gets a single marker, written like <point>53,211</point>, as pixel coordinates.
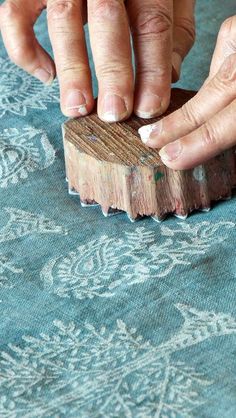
<point>65,25</point>
<point>225,46</point>
<point>183,34</point>
<point>215,136</point>
<point>16,22</point>
<point>110,43</point>
<point>211,98</point>
<point>151,24</point>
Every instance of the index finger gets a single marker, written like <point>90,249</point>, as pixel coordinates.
<point>212,138</point>
<point>211,98</point>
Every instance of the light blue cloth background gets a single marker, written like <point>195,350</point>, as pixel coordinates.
<point>101,317</point>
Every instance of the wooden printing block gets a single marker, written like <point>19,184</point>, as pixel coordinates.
<point>107,164</point>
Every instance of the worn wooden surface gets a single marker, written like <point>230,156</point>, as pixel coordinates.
<point>109,165</point>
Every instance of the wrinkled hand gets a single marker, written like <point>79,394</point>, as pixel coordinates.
<point>204,126</point>
<point>162,32</point>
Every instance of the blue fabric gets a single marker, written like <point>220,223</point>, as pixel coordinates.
<point>101,317</point>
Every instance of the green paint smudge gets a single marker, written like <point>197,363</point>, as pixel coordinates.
<point>158,175</point>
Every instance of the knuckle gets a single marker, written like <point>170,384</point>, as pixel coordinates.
<point>189,115</point>
<point>108,9</point>
<point>149,75</point>
<point>208,135</point>
<point>227,72</point>
<point>76,70</point>
<point>113,71</point>
<point>148,22</point>
<point>227,26</point>
<point>61,9</point>
<point>188,27</point>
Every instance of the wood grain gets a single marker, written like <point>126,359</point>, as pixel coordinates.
<point>109,165</point>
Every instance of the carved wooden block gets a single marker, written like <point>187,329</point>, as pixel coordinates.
<point>107,164</point>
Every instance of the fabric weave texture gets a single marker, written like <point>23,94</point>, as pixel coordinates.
<point>100,317</point>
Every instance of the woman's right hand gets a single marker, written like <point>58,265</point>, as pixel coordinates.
<point>162,32</point>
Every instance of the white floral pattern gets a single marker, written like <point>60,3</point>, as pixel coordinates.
<point>20,92</point>
<point>104,373</point>
<point>22,152</point>
<point>100,266</point>
<point>6,270</point>
<point>22,223</point>
<point>99,335</point>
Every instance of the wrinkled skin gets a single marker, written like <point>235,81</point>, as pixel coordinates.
<point>162,33</point>
<point>205,126</point>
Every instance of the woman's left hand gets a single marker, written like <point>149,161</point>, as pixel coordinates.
<point>204,126</point>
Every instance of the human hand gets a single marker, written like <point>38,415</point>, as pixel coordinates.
<point>162,32</point>
<point>204,126</point>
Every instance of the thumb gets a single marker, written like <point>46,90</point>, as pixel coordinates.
<point>183,34</point>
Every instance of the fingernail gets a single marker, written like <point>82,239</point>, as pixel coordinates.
<point>150,131</point>
<point>113,108</point>
<point>43,75</point>
<point>148,106</point>
<point>76,101</point>
<point>171,151</point>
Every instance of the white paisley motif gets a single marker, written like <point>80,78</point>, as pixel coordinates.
<point>22,223</point>
<point>86,271</point>
<point>95,373</point>
<point>23,151</point>
<point>19,91</point>
<point>100,266</point>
